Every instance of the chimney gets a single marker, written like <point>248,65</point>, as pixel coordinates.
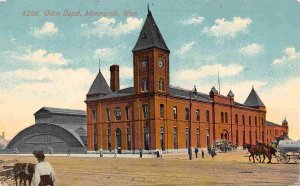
<point>114,78</point>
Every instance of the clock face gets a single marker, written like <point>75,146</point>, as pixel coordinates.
<point>160,63</point>
<point>144,63</point>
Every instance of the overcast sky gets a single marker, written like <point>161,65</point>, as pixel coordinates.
<point>52,60</point>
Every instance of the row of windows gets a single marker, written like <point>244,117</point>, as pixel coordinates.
<point>187,114</point>
<point>144,85</point>
<point>145,107</point>
<point>249,120</point>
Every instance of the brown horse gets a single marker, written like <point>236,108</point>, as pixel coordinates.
<point>269,152</point>
<point>255,151</point>
<point>24,172</point>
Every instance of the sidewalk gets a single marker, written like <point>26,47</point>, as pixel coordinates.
<point>88,155</point>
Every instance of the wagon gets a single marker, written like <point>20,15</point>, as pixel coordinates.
<point>7,172</point>
<point>289,150</point>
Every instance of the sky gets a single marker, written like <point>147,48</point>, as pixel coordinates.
<point>52,59</point>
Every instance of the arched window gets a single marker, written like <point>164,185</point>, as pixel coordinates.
<point>174,112</point>
<point>145,110</point>
<point>187,113</point>
<point>144,85</point>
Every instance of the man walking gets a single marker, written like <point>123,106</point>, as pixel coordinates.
<point>202,152</point>
<point>196,152</point>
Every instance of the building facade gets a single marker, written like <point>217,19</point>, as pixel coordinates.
<point>154,115</point>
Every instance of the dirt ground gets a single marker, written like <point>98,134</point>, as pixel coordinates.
<point>226,169</point>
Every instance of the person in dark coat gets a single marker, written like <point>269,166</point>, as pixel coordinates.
<point>202,154</point>
<point>141,153</point>
<point>196,152</point>
<point>208,149</point>
<point>213,152</point>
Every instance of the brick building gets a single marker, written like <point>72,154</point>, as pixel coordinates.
<point>152,114</point>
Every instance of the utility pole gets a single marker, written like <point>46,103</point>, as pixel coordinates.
<point>190,124</point>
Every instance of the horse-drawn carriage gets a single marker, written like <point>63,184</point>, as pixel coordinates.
<point>289,149</point>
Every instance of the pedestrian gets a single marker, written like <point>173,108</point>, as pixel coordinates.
<point>141,153</point>
<point>213,152</point>
<point>160,153</point>
<point>69,152</point>
<point>116,151</point>
<point>208,149</point>
<point>202,152</point>
<point>157,153</point>
<point>101,152</point>
<point>196,152</point>
<point>43,172</point>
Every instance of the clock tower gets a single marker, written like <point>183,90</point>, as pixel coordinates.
<point>151,60</point>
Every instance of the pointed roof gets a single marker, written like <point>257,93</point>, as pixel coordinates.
<point>213,90</point>
<point>230,94</point>
<point>253,100</point>
<point>99,86</point>
<point>150,36</point>
<point>285,121</point>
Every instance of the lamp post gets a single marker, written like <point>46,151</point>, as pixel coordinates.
<point>190,124</point>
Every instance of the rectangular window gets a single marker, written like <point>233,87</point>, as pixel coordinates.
<point>145,111</point>
<point>94,115</point>
<point>162,111</point>
<point>108,139</point>
<point>128,139</point>
<point>162,143</point>
<point>118,113</point>
<point>207,137</point>
<point>187,114</point>
<point>108,114</point>
<point>226,117</point>
<point>249,120</point>
<point>237,136</point>
<point>255,121</point>
<point>127,113</point>
<point>197,114</point>
<point>207,116</point>
<point>198,137</point>
<point>243,119</point>
<point>186,138</point>
<point>236,119</point>
<point>175,138</point>
<point>222,117</point>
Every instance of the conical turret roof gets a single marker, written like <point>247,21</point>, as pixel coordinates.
<point>99,86</point>
<point>253,100</point>
<point>150,36</point>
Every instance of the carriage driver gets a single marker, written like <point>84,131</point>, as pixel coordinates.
<point>43,172</point>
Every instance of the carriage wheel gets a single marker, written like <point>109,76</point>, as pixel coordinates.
<point>296,157</point>
<point>284,158</point>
